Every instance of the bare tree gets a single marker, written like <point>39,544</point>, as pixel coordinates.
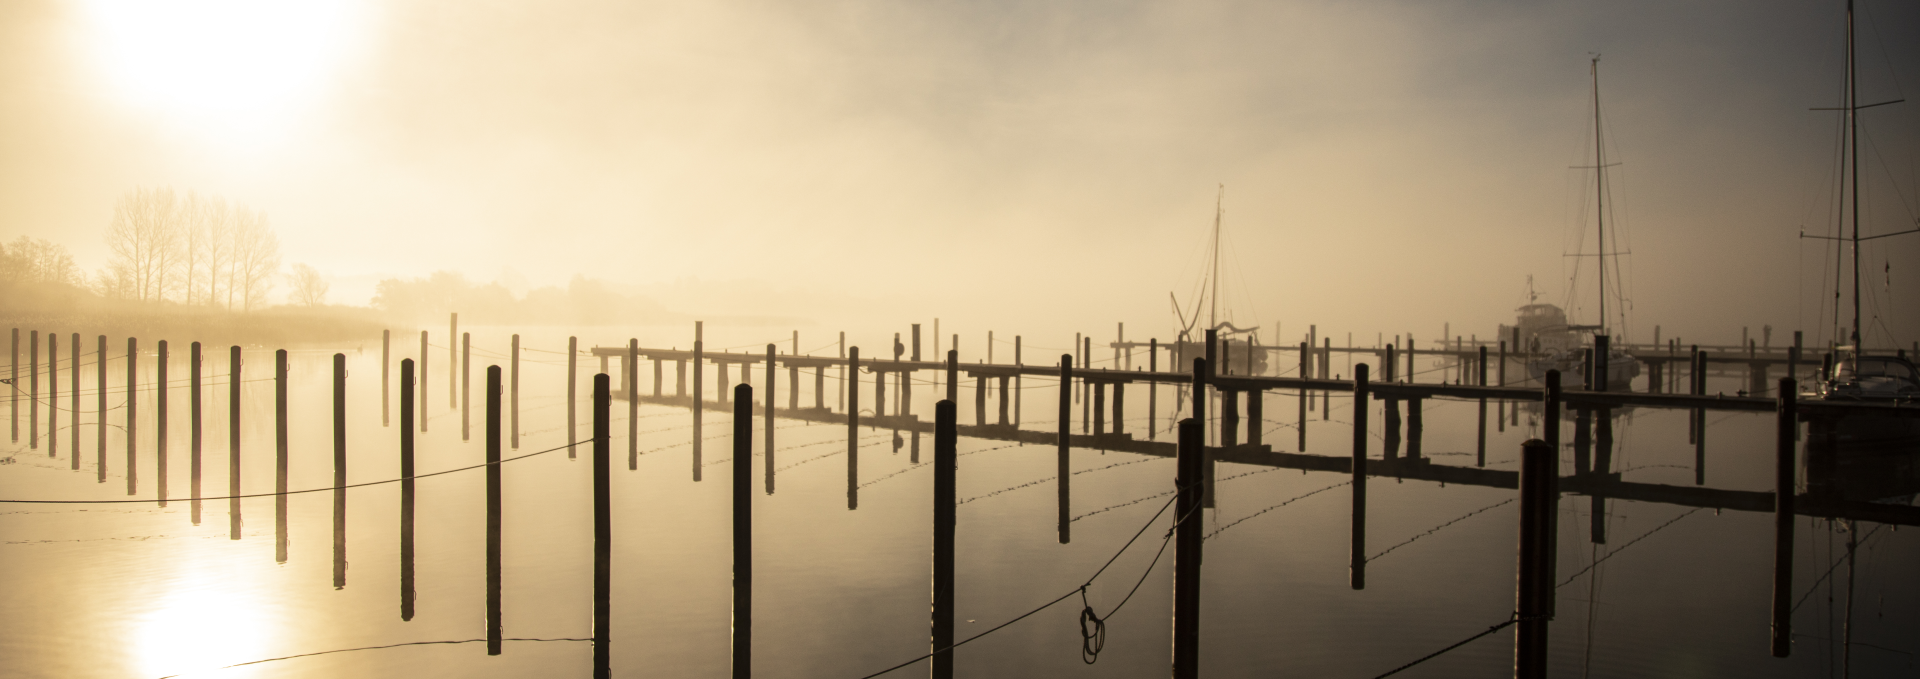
<point>145,240</point>
<point>37,261</point>
<point>309,287</point>
<point>256,257</point>
<point>217,251</point>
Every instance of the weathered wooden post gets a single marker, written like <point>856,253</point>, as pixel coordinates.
<point>422,369</point>
<point>979,400</point>
<point>953,376</point>
<point>494,622</point>
<point>513,394</point>
<point>33,389</point>
<point>573,374</point>
<point>133,402</point>
<point>629,367</point>
<point>193,394</point>
<point>699,351</point>
<point>1256,416</point>
<point>1153,388</point>
<point>1186,550</point>
<point>1119,407</point>
<point>1535,582</point>
<point>1416,426</point>
<point>1481,376</point>
<point>1699,419</point>
<point>1784,487</point>
<point>53,396</point>
<point>339,471</point>
<point>73,417</point>
<point>453,362</point>
<point>466,381</point>
<point>1016,380</point>
<point>233,443</point>
<point>386,379</point>
<point>280,455</point>
<point>1357,556</point>
<point>1601,378</point>
<point>852,384</point>
<point>819,387</point>
<point>159,415</point>
<point>771,391</point>
<point>1229,418</point>
<point>13,378</point>
<point>945,514</point>
<point>602,528</point>
<point>1390,417</point>
<point>406,488</point>
<point>743,521</point>
<point>1500,407</point>
<point>1064,445</point>
<point>1099,407</point>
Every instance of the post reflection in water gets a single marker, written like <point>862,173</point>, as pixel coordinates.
<point>193,395</point>
<point>280,455</point>
<point>233,443</point>
<point>853,427</point>
<point>339,471</point>
<point>493,511</point>
<point>1065,519</point>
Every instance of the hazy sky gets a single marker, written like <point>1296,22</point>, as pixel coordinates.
<point>1052,166</point>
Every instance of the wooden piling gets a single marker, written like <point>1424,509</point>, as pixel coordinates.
<point>422,369</point>
<point>573,375</point>
<point>133,417</point>
<point>1481,442</point>
<point>466,381</point>
<point>953,375</point>
<point>386,379</point>
<point>233,443</point>
<point>193,410</point>
<point>771,390</point>
<point>1187,550</point>
<point>743,521</point>
<point>602,529</point>
<point>1119,407</point>
<point>1256,416</point>
<point>979,400</point>
<point>513,394</point>
<point>406,489</point>
<point>1153,388</point>
<point>1099,407</point>
<point>699,405</point>
<point>819,388</point>
<point>1229,418</point>
<point>73,416</point>
<point>629,368</point>
<point>53,396</point>
<point>494,622</point>
<point>1699,419</point>
<point>280,460</point>
<point>1416,426</point>
<point>161,387</point>
<point>33,389</point>
<point>1357,555</point>
<point>945,521</point>
<point>1535,582</point>
<point>1064,444</point>
<point>852,385</point>
<point>13,378</point>
<point>1787,423</point>
<point>339,471</point>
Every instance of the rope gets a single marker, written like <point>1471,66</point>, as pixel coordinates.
<point>1830,569</point>
<point>1077,590</point>
<point>298,492</point>
<point>1511,619</point>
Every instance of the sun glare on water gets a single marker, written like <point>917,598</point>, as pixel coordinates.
<point>201,627</point>
<point>223,67</point>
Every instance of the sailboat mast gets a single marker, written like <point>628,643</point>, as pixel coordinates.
<point>1213,296</point>
<point>1853,140</point>
<point>1600,194</point>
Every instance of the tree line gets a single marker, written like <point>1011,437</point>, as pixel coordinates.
<point>192,249</point>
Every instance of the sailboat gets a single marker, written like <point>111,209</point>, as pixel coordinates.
<point>1192,341</point>
<point>1854,375</point>
<point>1563,352</point>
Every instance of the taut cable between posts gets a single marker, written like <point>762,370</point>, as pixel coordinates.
<point>310,490</point>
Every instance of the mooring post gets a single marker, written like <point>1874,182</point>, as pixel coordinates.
<point>1481,377</point>
<point>1416,426</point>
<point>743,522</point>
<point>946,463</point>
<point>819,388</point>
<point>1535,586</point>
<point>424,394</point>
<point>699,351</point>
<point>339,471</point>
<point>1003,399</point>
<point>1256,416</point>
<point>161,386</point>
<point>573,375</point>
<point>979,400</point>
<point>1153,388</point>
<point>793,384</point>
<point>1500,406</point>
<point>513,393</point>
<point>466,381</point>
<point>1550,431</point>
<point>133,402</point>
<point>1601,350</point>
<point>494,622</point>
<point>386,379</point>
<point>53,396</point>
<point>406,488</point>
<point>629,367</point>
<point>1064,444</point>
<point>1119,407</point>
<point>73,418</point>
<point>659,373</point>
<point>233,443</point>
<point>1186,550</point>
<point>1784,486</point>
<point>853,427</point>
<point>1099,407</point>
<point>33,389</point>
<point>879,391</point>
<point>602,527</point>
<point>1699,419</point>
<point>13,378</point>
<point>1357,555</point>
<point>1229,418</point>
<point>193,410</point>
<point>953,375</point>
<point>280,455</point>
<point>769,412</point>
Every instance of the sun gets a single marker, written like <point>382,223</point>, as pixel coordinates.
<point>232,65</point>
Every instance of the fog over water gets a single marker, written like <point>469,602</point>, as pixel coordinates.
<point>1388,168</point>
